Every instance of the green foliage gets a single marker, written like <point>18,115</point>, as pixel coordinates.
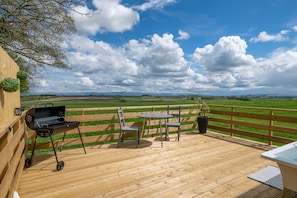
<point>24,86</point>
<point>25,70</point>
<point>102,101</point>
<point>22,75</point>
<point>287,103</point>
<point>35,29</point>
<point>9,85</point>
<point>202,107</point>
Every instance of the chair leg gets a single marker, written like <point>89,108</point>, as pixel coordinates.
<point>178,133</point>
<point>167,133</point>
<point>120,138</point>
<point>136,140</point>
<point>138,137</point>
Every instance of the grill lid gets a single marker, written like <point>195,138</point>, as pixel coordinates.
<point>44,116</point>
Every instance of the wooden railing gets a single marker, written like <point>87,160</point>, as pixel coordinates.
<point>100,125</point>
<point>269,125</point>
<point>13,154</point>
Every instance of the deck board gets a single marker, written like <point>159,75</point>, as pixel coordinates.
<point>210,165</point>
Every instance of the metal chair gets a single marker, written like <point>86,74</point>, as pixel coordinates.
<point>174,121</point>
<point>124,129</point>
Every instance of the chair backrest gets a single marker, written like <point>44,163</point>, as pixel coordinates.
<point>175,111</point>
<point>121,117</point>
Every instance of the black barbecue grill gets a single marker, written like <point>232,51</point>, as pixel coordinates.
<point>46,121</point>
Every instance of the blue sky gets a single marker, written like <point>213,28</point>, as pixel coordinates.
<point>207,47</point>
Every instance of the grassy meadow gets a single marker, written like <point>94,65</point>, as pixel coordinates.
<point>113,101</point>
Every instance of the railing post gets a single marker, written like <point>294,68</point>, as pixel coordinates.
<point>83,123</point>
<point>232,119</point>
<point>82,113</point>
<point>270,124</point>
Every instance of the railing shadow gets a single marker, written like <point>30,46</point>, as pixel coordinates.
<point>240,141</point>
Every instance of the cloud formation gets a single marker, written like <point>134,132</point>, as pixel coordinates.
<point>183,35</point>
<point>156,63</point>
<point>154,4</point>
<point>108,16</point>
<point>265,37</point>
<point>228,52</point>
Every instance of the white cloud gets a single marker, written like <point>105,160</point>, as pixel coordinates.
<point>265,37</point>
<point>86,81</point>
<point>228,52</point>
<point>183,35</point>
<point>129,82</point>
<point>227,67</point>
<point>157,63</point>
<point>40,82</point>
<point>56,80</point>
<point>160,56</point>
<point>88,56</point>
<point>154,4</point>
<point>109,16</point>
<point>294,28</point>
<point>279,69</point>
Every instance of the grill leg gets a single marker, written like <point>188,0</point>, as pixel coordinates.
<point>29,161</point>
<point>81,140</point>
<point>53,147</point>
<point>62,141</point>
<point>60,164</point>
<point>34,146</point>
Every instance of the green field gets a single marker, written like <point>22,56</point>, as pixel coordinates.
<point>101,101</point>
<point>113,101</point>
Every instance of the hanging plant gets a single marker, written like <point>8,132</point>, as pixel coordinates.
<point>9,85</point>
<point>22,75</point>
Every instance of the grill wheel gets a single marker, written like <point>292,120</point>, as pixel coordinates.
<point>28,162</point>
<point>60,165</point>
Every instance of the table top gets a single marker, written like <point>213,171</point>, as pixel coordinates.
<point>154,115</point>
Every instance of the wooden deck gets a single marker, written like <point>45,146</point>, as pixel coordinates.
<point>198,165</point>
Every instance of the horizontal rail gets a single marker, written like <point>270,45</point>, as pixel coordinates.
<point>273,126</point>
<point>100,125</point>
<point>13,150</point>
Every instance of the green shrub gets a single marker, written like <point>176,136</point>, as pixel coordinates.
<point>22,75</point>
<point>9,85</point>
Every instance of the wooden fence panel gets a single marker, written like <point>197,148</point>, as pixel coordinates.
<point>13,152</point>
<point>9,100</point>
<point>99,125</point>
<point>271,125</point>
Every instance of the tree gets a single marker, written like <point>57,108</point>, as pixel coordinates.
<point>33,30</point>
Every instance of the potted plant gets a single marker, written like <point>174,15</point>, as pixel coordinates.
<point>202,118</point>
<point>9,84</point>
<point>22,75</point>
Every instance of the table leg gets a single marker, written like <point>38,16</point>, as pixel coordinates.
<point>166,132</point>
<point>142,129</point>
<point>143,126</point>
<point>149,126</point>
